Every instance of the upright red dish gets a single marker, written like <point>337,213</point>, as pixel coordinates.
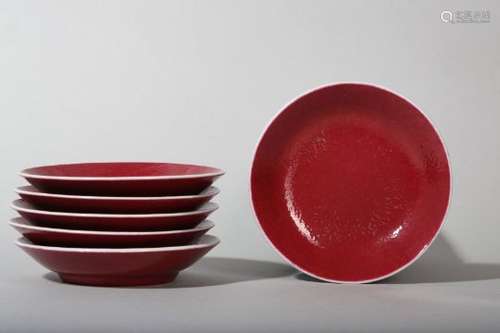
<point>350,183</point>
<point>122,178</point>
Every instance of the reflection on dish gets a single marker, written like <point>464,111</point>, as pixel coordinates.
<point>395,233</point>
<point>295,213</point>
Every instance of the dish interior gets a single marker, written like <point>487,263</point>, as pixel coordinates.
<point>120,169</point>
<point>350,182</point>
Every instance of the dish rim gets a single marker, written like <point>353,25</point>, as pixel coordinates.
<point>203,242</point>
<point>204,225</point>
<point>26,173</point>
<point>208,192</point>
<point>208,207</point>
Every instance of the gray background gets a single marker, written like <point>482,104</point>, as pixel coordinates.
<point>197,81</point>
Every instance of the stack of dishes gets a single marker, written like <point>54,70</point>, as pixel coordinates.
<point>113,224</point>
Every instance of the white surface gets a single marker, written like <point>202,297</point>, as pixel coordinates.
<point>186,81</point>
<point>437,294</point>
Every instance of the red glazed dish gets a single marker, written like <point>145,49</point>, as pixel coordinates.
<point>117,222</point>
<point>107,239</point>
<point>350,183</point>
<point>117,205</point>
<point>118,267</point>
<point>122,178</point>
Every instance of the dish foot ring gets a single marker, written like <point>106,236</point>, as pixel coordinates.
<point>117,280</point>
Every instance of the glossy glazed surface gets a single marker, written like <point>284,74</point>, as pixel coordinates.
<point>117,205</point>
<point>123,222</point>
<point>122,178</point>
<point>118,267</point>
<point>107,239</point>
<point>350,183</point>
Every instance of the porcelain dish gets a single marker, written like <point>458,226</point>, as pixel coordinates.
<point>117,205</point>
<point>119,267</point>
<point>116,223</point>
<point>123,222</point>
<point>122,178</point>
<point>350,183</point>
<point>110,239</point>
